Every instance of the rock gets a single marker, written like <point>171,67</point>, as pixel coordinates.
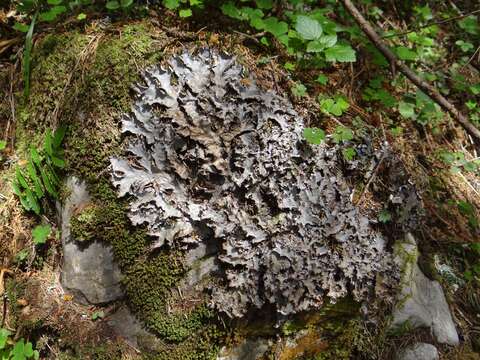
<point>88,272</point>
<point>421,302</point>
<point>419,351</point>
<point>127,326</point>
<point>249,349</point>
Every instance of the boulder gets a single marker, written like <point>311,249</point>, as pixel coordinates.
<point>421,301</point>
<point>89,272</point>
<point>419,351</point>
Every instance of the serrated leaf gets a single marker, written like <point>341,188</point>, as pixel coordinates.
<point>299,90</point>
<point>32,201</point>
<point>40,234</point>
<point>171,4</point>
<point>275,27</point>
<point>384,216</point>
<point>314,135</point>
<point>407,110</point>
<point>341,134</point>
<point>322,79</point>
<point>264,4</point>
<point>349,153</point>
<point>112,5</point>
<point>184,13</point>
<point>308,28</point>
<point>21,178</point>
<point>340,53</point>
<point>231,10</point>
<point>4,334</point>
<point>405,53</point>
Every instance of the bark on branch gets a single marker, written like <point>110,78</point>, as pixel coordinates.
<point>409,73</point>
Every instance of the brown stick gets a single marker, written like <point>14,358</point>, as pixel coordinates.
<point>419,82</point>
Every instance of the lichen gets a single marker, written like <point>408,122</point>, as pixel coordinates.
<point>214,156</point>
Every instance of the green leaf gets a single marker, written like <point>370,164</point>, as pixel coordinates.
<point>35,156</point>
<point>349,153</point>
<point>308,28</point>
<point>60,163</point>
<point>289,66</point>
<point>470,25</point>
<point>334,106</point>
<point>4,334</point>
<point>264,4</point>
<point>112,5</point>
<point>47,183</point>
<point>342,133</point>
<point>405,53</point>
<point>98,315</point>
<point>407,110</point>
<point>384,216</point>
<point>275,27</point>
<point>184,13</point>
<point>48,144</point>
<point>20,27</point>
<point>35,179</point>
<point>340,53</point>
<point>40,234</point>
<point>231,10</point>
<point>171,4</point>
<point>3,145</point>
<point>464,46</point>
<point>322,79</point>
<point>126,3</point>
<point>81,16</point>
<point>299,90</point>
<point>54,2</point>
<point>314,135</point>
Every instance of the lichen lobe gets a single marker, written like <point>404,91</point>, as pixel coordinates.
<point>212,157</point>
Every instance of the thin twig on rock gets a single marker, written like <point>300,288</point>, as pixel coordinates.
<point>409,73</point>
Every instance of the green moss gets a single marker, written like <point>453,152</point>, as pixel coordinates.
<point>86,80</point>
<point>14,291</point>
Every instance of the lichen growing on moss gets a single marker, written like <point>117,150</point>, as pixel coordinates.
<point>212,156</point>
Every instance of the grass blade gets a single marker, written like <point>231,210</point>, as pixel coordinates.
<point>27,58</point>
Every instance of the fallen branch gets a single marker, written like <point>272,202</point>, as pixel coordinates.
<point>419,82</point>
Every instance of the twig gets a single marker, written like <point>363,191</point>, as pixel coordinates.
<point>431,24</point>
<point>414,78</point>
<point>374,174</point>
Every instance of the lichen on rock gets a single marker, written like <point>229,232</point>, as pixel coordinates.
<point>214,158</point>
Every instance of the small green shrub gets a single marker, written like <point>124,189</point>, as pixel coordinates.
<point>39,178</point>
<point>16,350</point>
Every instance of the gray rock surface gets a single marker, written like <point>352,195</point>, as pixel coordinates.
<point>419,351</point>
<point>212,156</point>
<point>88,272</point>
<point>128,327</point>
<point>250,349</point>
<point>421,302</point>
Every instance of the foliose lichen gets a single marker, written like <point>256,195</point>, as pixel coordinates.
<point>212,157</point>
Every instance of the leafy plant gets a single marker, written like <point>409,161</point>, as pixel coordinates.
<point>40,234</point>
<point>299,90</point>
<point>314,136</point>
<point>98,315</point>
<point>39,177</point>
<point>349,153</point>
<point>342,134</point>
<point>334,106</point>
<point>19,350</point>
